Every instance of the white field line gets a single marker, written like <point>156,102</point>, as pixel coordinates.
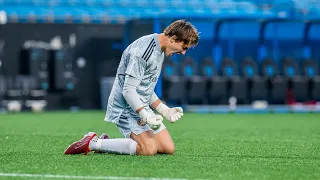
<point>57,176</point>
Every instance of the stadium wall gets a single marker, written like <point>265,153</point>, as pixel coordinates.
<point>101,46</point>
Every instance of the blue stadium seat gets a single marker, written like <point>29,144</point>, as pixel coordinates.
<point>256,85</point>
<point>174,85</point>
<point>297,83</point>
<point>237,85</point>
<point>216,85</point>
<point>277,84</point>
<point>310,70</point>
<point>196,84</point>
<point>207,68</point>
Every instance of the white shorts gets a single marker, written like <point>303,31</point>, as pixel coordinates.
<point>129,124</point>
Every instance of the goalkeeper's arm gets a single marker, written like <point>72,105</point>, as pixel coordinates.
<point>130,94</point>
<point>157,104</point>
<point>154,101</point>
<point>171,114</point>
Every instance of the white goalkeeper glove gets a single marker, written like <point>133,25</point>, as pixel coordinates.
<point>154,121</point>
<point>171,114</point>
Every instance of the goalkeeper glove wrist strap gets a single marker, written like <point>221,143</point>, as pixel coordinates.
<point>144,114</point>
<point>162,108</point>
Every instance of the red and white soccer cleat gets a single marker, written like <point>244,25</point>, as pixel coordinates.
<point>81,146</point>
<point>104,136</point>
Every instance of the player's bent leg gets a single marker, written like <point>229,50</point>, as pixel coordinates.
<point>139,144</point>
<point>90,142</point>
<point>146,143</point>
<point>164,142</point>
<point>131,128</point>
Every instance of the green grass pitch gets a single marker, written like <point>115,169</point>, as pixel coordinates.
<point>234,146</point>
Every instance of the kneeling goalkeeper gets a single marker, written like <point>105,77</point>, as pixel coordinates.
<point>132,97</point>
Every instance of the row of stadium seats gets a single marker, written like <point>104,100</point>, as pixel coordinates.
<point>80,12</point>
<point>119,10</point>
<point>101,10</point>
<point>306,5</point>
<point>189,83</point>
<point>121,14</point>
<point>128,3</point>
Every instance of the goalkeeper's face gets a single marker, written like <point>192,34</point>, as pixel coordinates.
<point>181,35</point>
<point>175,47</point>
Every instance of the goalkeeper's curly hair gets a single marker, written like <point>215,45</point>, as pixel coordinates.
<point>183,31</point>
